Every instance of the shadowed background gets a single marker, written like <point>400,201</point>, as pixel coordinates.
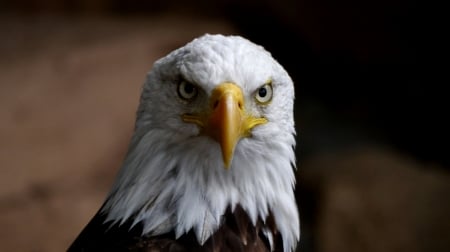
<point>372,133</point>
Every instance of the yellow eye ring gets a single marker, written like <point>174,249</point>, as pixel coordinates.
<point>264,93</point>
<point>186,90</point>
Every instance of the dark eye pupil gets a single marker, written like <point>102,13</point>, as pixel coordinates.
<point>262,92</point>
<point>188,88</point>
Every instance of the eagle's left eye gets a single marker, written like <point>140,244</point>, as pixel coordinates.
<point>186,90</point>
<point>264,93</point>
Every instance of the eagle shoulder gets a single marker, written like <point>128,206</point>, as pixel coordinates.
<point>237,233</point>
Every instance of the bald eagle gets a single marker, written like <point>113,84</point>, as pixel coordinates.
<point>211,163</point>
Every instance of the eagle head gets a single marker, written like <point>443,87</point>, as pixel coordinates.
<point>214,131</point>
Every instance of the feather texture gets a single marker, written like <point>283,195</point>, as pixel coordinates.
<point>236,233</point>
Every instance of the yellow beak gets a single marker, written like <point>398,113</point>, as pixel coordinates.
<point>227,121</point>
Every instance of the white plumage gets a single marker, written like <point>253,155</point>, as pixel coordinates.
<point>173,177</point>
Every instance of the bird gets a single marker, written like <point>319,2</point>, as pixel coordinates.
<point>211,163</point>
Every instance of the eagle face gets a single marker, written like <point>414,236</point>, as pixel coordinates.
<point>214,131</point>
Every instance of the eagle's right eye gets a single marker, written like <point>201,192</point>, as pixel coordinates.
<point>186,90</point>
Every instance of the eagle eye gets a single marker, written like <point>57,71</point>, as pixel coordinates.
<point>264,93</point>
<point>186,90</point>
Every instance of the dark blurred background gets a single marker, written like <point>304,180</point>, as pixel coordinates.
<point>373,168</point>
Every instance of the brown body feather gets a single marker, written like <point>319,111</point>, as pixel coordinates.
<point>237,233</point>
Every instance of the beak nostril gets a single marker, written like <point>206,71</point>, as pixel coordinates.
<point>215,104</point>
<point>240,104</point>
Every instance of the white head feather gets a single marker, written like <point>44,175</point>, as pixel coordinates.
<point>174,179</point>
